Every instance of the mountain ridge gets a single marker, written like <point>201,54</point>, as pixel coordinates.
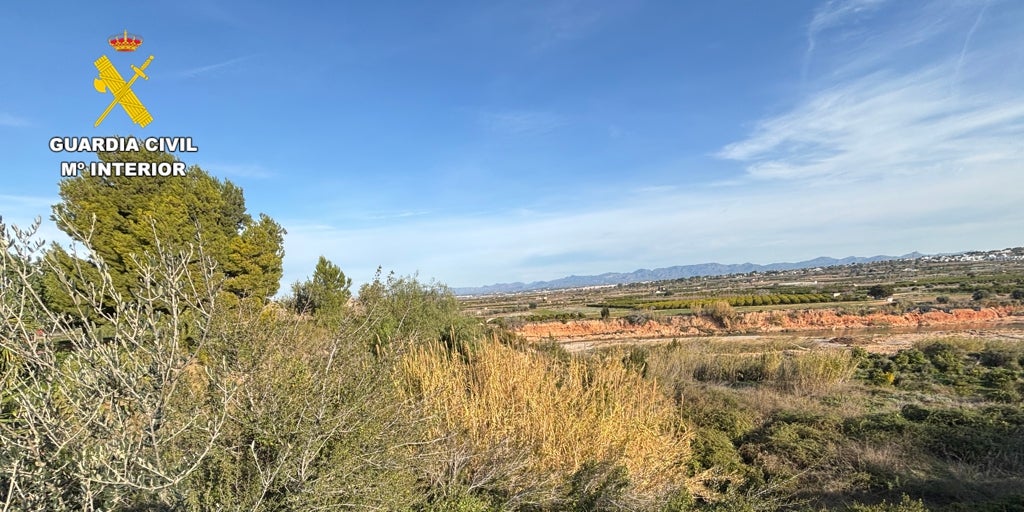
<point>668,273</point>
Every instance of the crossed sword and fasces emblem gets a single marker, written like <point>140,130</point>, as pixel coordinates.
<point>110,79</point>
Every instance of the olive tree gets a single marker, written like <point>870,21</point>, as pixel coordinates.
<point>105,404</point>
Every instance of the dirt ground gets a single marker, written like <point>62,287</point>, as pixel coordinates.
<point>879,342</point>
<point>875,333</point>
<point>884,341</point>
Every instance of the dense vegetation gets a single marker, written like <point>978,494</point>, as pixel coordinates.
<point>160,385</point>
<point>942,422</point>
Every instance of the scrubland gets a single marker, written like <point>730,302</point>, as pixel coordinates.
<point>172,400</point>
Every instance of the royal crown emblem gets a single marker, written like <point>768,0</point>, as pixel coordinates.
<point>126,42</point>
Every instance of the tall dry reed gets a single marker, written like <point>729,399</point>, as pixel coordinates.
<point>787,366</point>
<point>549,417</point>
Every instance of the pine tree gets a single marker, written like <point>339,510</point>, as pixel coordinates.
<point>254,264</point>
<point>125,219</point>
<point>326,293</point>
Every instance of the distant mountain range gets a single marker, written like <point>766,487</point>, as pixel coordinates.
<point>667,273</point>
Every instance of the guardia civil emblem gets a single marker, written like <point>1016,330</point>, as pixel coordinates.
<point>111,81</point>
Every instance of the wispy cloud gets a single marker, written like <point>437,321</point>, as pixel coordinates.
<point>540,27</point>
<point>255,171</point>
<point>833,14</point>
<point>218,12</point>
<point>874,155</point>
<point>967,43</point>
<point>895,117</point>
<point>754,223</point>
<point>565,20</point>
<point>881,124</point>
<point>20,203</point>
<point>12,121</point>
<point>405,214</point>
<point>521,122</point>
<point>210,68</point>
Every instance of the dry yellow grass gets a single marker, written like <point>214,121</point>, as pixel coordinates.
<point>555,415</point>
<point>819,371</point>
<point>783,364</point>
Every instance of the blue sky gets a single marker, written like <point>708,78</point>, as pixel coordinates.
<point>482,142</point>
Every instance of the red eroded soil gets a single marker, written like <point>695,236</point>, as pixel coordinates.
<point>758,322</point>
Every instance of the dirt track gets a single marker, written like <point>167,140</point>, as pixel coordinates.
<point>872,341</point>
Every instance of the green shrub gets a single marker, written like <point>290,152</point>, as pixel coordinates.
<point>881,377</point>
<point>859,353</point>
<point>992,434</point>
<point>1008,396</point>
<point>460,503</point>
<point>713,448</point>
<point>914,412</point>
<point>401,310</point>
<point>1000,358</point>
<point>715,409</point>
<point>879,291</point>
<point>911,360</point>
<point>636,360</point>
<point>799,440</point>
<point>720,311</point>
<point>945,357</point>
<point>905,505</point>
<point>877,427</point>
<point>1000,378</point>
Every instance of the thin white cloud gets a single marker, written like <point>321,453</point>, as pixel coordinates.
<point>764,223</point>
<point>833,14</point>
<point>209,68</point>
<point>22,203</point>
<point>967,43</point>
<point>521,122</point>
<point>12,121</point>
<point>565,20</point>
<point>255,171</point>
<point>898,114</point>
<point>836,13</point>
<point>391,215</point>
<point>219,12</point>
<point>546,26</point>
<point>881,124</point>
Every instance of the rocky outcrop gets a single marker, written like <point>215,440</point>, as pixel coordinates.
<point>757,322</point>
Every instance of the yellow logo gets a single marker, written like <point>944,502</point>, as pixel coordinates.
<point>111,80</point>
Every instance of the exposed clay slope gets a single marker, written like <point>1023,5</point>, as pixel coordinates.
<point>755,322</point>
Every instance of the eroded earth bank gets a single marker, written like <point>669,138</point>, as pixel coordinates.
<point>764,322</point>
